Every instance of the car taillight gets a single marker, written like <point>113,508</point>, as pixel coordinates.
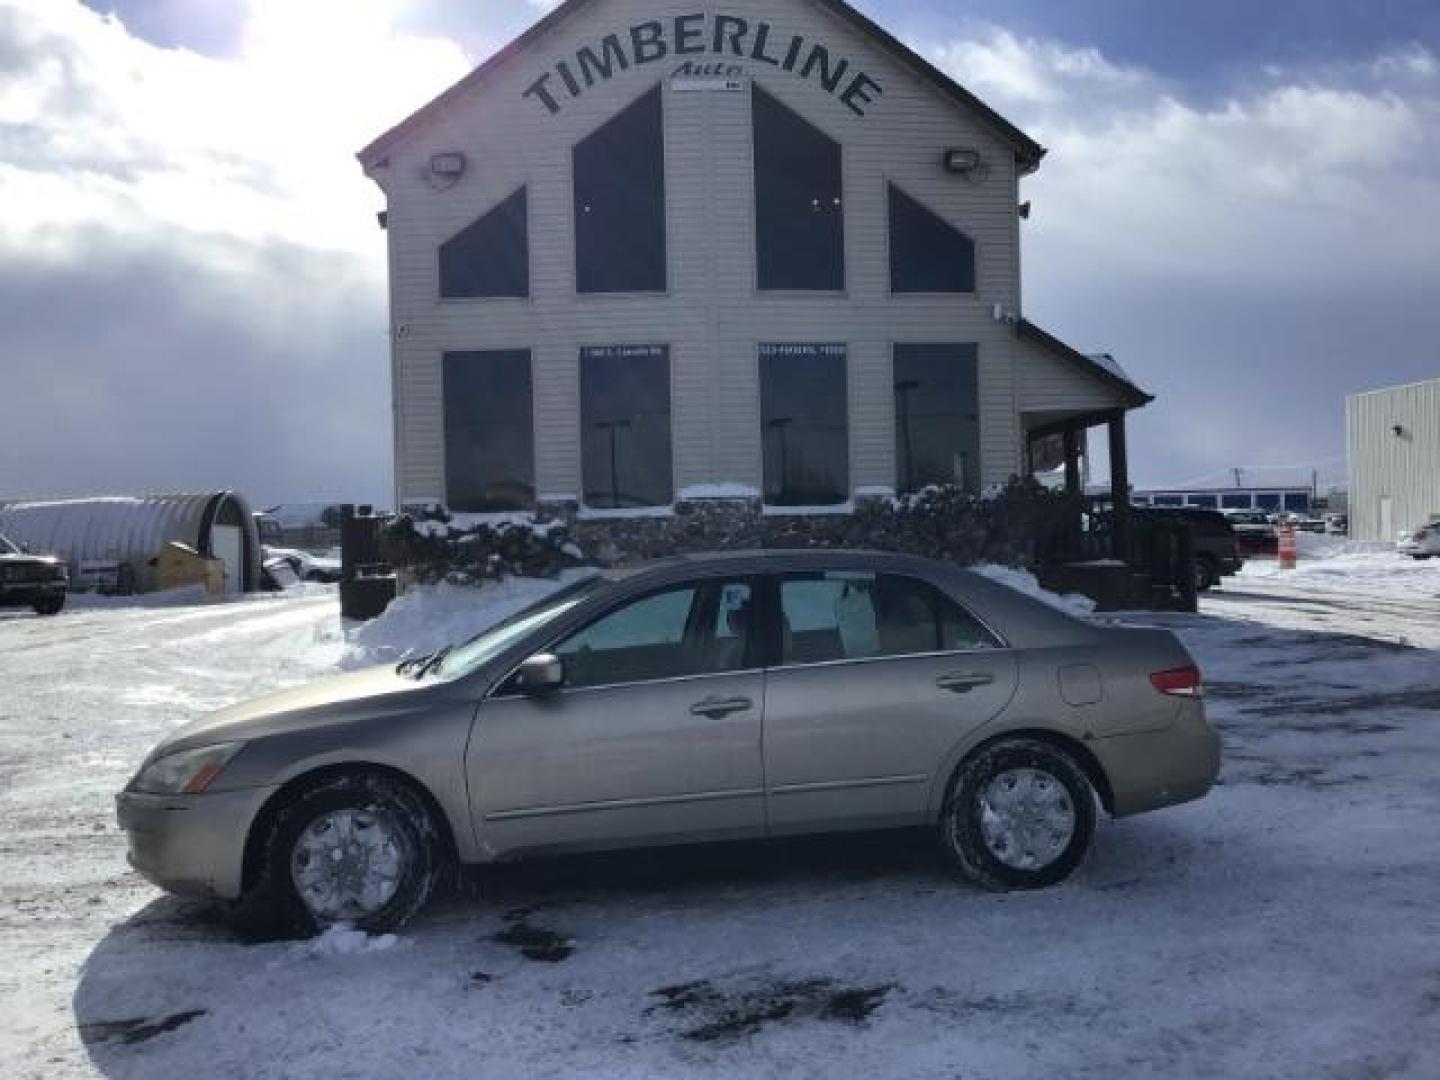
<point>1177,682</point>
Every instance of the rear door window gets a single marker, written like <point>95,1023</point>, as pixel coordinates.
<point>840,615</point>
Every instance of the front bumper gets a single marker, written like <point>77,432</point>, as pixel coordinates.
<point>191,844</point>
<point>25,593</point>
<point>1161,768</point>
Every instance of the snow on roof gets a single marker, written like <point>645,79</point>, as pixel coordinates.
<point>302,515</point>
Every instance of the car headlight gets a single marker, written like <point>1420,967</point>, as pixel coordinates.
<point>188,772</point>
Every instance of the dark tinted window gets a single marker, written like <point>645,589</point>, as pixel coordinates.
<point>690,630</point>
<point>1267,500</point>
<point>927,253</point>
<point>625,425</point>
<point>489,456</point>
<point>799,209</point>
<point>1240,501</point>
<point>937,417</point>
<point>620,203</point>
<point>1298,501</point>
<point>490,257</point>
<point>850,616</point>
<point>1210,501</point>
<point>804,424</point>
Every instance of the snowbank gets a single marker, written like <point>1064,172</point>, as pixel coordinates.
<point>1026,582</point>
<point>1336,565</point>
<point>433,616</point>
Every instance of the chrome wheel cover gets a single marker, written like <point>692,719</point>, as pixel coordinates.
<point>348,864</point>
<point>1027,818</point>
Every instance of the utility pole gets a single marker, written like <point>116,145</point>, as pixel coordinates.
<point>1238,474</point>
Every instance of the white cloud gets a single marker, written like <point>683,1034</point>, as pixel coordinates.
<point>101,126</point>
<point>1251,257</point>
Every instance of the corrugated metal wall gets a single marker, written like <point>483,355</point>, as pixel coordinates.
<point>1399,470</point>
<point>125,529</point>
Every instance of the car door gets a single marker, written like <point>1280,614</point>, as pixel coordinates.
<point>654,735</point>
<point>880,676</point>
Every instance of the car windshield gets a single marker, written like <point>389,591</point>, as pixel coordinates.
<point>6,547</point>
<point>461,660</point>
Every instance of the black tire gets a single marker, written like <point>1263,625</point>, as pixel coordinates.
<point>272,907</point>
<point>51,605</point>
<point>1207,575</point>
<point>962,839</point>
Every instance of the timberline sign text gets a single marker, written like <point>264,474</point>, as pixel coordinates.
<point>693,35</point>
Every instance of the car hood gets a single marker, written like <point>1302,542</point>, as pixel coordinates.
<point>45,560</point>
<point>303,707</point>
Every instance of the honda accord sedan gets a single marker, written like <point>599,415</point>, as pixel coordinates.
<point>700,698</point>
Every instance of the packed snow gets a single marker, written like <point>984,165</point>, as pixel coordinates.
<point>1285,926</point>
<point>1332,564</point>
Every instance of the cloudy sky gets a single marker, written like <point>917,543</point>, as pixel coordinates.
<point>1242,203</point>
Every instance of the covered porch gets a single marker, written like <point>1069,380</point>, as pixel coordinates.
<point>1069,401</point>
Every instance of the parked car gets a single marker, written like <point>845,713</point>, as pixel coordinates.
<point>1217,552</point>
<point>1337,524</point>
<point>1422,542</point>
<point>307,565</point>
<point>33,581</point>
<point>700,698</point>
<point>1254,532</point>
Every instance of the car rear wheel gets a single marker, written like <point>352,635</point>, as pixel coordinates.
<point>1206,574</point>
<point>50,605</point>
<point>359,850</point>
<point>1020,815</point>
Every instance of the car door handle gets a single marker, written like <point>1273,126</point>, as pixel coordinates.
<point>716,707</point>
<point>963,684</point>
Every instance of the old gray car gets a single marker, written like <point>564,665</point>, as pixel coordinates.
<point>696,699</point>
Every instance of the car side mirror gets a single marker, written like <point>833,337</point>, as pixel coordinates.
<point>540,674</point>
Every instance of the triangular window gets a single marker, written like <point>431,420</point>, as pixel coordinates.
<point>491,256</point>
<point>927,253</point>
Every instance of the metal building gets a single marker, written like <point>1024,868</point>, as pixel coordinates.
<point>655,251</point>
<point>126,533</point>
<point>1393,438</point>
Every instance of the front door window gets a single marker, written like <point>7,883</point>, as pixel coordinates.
<point>695,629</point>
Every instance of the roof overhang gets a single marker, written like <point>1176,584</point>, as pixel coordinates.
<point>1103,367</point>
<point>1028,152</point>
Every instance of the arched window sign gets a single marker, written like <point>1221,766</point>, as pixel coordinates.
<point>676,40</point>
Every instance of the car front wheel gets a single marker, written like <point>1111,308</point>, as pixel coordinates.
<point>1206,575</point>
<point>358,850</point>
<point>1020,815</point>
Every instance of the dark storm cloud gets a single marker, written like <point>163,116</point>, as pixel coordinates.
<point>139,368</point>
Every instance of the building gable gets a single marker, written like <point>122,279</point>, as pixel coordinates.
<point>698,50</point>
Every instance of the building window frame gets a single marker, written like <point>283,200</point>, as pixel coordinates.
<point>649,509</point>
<point>525,186</point>
<point>846,233</point>
<point>976,248</point>
<point>530,353</point>
<point>667,225</point>
<point>847,503</point>
<point>976,355</point>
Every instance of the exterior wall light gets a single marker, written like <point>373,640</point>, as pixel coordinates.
<point>962,161</point>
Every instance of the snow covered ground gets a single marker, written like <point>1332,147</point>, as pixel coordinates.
<point>1287,925</point>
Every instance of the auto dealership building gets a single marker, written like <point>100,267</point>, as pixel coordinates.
<point>652,253</point>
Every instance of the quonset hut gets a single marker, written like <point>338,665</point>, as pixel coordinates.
<point>132,531</point>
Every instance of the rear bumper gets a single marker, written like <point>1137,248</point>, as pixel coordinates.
<point>190,844</point>
<point>1161,768</point>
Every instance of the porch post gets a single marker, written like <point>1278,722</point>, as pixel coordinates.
<point>1120,486</point>
<point>1072,462</point>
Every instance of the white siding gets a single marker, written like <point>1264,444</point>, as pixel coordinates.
<point>712,316</point>
<point>1050,383</point>
<point>1403,468</point>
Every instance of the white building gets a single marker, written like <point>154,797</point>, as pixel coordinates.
<point>1394,447</point>
<point>657,251</point>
